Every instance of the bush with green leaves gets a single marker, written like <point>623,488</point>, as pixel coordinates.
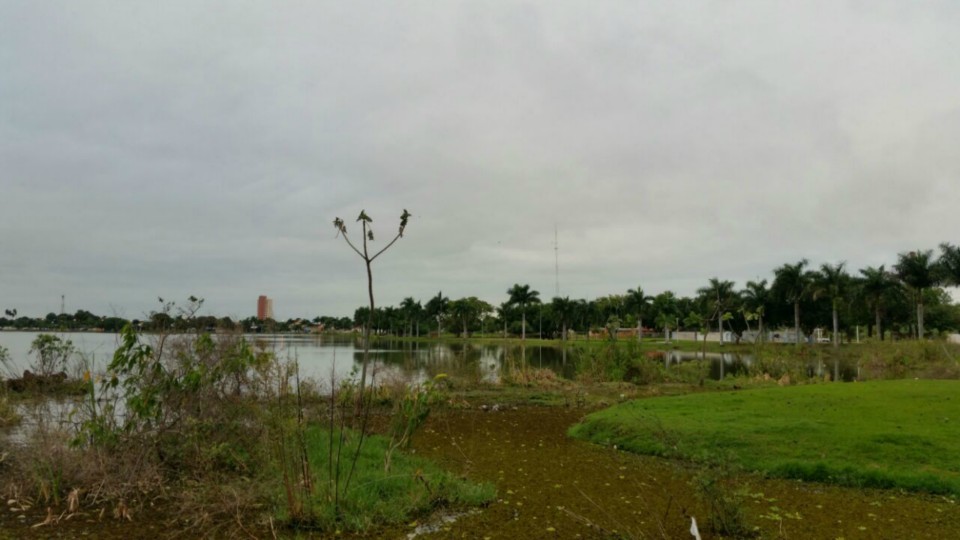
<point>186,404</point>
<point>410,411</point>
<point>52,355</point>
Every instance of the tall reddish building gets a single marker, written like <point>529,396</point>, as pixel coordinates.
<point>264,308</point>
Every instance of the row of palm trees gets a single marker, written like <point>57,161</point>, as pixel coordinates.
<point>798,294</point>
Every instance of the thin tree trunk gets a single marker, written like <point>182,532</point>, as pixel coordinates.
<point>876,312</point>
<point>796,322</point>
<point>920,317</point>
<point>836,329</point>
<point>366,337</point>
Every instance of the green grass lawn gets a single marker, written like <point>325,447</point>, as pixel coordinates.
<point>886,434</point>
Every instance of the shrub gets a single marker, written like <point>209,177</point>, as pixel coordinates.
<point>52,355</point>
<point>717,486</point>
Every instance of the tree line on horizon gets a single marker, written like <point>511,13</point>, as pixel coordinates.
<point>907,300</point>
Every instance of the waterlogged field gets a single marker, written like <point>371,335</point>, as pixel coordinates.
<point>903,434</point>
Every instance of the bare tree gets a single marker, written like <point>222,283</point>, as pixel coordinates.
<point>368,259</point>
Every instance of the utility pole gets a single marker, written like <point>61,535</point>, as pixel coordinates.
<point>63,304</point>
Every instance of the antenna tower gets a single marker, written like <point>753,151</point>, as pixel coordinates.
<point>556,259</point>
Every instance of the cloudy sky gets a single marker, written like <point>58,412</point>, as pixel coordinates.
<point>174,148</point>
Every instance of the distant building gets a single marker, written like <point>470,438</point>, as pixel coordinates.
<point>264,308</point>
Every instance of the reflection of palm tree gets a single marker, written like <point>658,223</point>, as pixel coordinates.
<point>832,282</point>
<point>876,285</point>
<point>793,284</point>
<point>638,302</point>
<point>521,295</point>
<point>917,270</point>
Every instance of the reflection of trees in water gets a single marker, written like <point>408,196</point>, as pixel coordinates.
<point>728,363</point>
<point>481,362</point>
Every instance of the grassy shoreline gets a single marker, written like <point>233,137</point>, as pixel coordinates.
<point>884,434</point>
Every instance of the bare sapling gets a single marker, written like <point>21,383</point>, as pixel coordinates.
<point>367,234</point>
<point>368,259</point>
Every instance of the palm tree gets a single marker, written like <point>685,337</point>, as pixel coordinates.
<point>437,307</point>
<point>410,309</point>
<point>917,270</point>
<point>832,282</point>
<point>756,297</point>
<point>949,264</point>
<point>876,286</point>
<point>460,310</point>
<point>638,302</point>
<point>583,314</point>
<point>521,295</point>
<point>564,309</point>
<point>793,285</point>
<point>719,293</point>
<point>503,312</point>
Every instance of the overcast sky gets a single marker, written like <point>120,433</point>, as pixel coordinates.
<point>174,148</point>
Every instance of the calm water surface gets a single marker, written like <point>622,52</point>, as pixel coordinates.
<point>323,357</point>
<point>326,357</point>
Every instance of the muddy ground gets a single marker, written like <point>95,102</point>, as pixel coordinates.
<point>550,486</point>
<point>553,487</point>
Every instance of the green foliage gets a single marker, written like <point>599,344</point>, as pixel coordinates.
<point>608,362</point>
<point>885,433</point>
<point>411,410</point>
<point>186,406</point>
<point>51,354</point>
<point>412,487</point>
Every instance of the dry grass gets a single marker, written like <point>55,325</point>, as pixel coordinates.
<point>8,412</point>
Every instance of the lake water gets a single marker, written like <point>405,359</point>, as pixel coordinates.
<point>322,357</point>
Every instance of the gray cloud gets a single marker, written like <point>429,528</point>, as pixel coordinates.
<point>204,148</point>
